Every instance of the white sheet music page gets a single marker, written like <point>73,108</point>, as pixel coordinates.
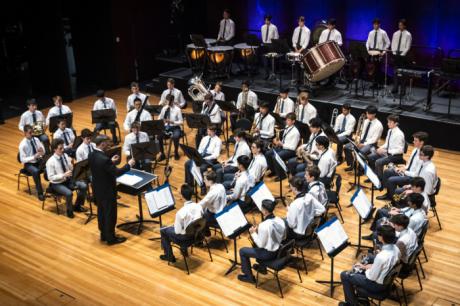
<point>361,203</point>
<point>262,193</point>
<point>332,235</point>
<point>195,170</point>
<point>129,179</point>
<point>231,219</point>
<point>280,161</point>
<point>159,199</point>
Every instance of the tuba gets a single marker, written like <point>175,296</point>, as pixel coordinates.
<point>197,90</point>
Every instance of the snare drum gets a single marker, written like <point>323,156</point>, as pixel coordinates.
<point>294,57</point>
<point>245,50</point>
<point>323,60</point>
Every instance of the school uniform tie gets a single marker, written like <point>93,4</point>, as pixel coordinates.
<point>389,138</point>
<point>329,35</point>
<point>225,26</point>
<point>399,43</point>
<point>60,110</point>
<point>205,151</point>
<point>266,33</point>
<point>344,123</point>
<point>66,140</point>
<point>366,132</point>
<point>34,148</point>
<point>90,149</point>
<point>63,164</point>
<point>34,118</point>
<point>375,40</point>
<point>412,159</point>
<point>236,150</point>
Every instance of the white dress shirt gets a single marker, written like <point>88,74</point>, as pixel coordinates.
<point>54,168</point>
<point>131,116</point>
<point>334,36</point>
<point>54,111</point>
<point>304,37</point>
<point>272,33</point>
<point>427,170</point>
<point>417,220</point>
<point>395,141</point>
<point>382,42</point>
<point>285,106</point>
<point>178,97</point>
<point>426,202</point>
<point>175,114</point>
<point>384,261</point>
<point>242,185</point>
<point>375,131</point>
<point>130,100</point>
<point>257,168</point>
<point>408,238</point>
<point>26,152</point>
<point>306,112</point>
<point>327,163</point>
<point>83,151</point>
<point>302,211</point>
<point>131,138</point>
<point>215,200</point>
<point>270,233</point>
<point>318,191</point>
<point>241,148</point>
<point>213,112</point>
<point>265,124</point>
<point>413,163</point>
<point>109,104</point>
<point>251,100</point>
<point>189,213</point>
<point>349,127</point>
<point>406,41</point>
<point>291,138</point>
<point>66,135</point>
<point>27,118</point>
<point>229,27</point>
<point>219,96</point>
<point>213,149</point>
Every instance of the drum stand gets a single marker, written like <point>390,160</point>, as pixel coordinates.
<point>272,76</point>
<point>385,91</point>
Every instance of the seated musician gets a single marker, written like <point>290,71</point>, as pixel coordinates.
<point>209,149</point>
<point>34,117</point>
<point>215,200</point>
<point>370,134</point>
<point>373,275</point>
<point>135,93</point>
<point>394,177</point>
<point>171,114</point>
<point>137,136</point>
<point>67,136</point>
<point>268,31</point>
<point>217,92</point>
<point>392,150</point>
<point>185,216</point>
<point>267,237</point>
<point>407,239</point>
<point>31,151</point>
<point>86,147</point>
<point>284,147</point>
<point>246,104</point>
<point>314,186</point>
<point>212,110</point>
<point>264,125</point>
<point>171,90</point>
<point>377,40</point>
<point>344,127</point>
<point>58,109</point>
<point>284,104</point>
<point>226,34</point>
<point>242,183</point>
<point>59,171</point>
<point>101,103</point>
<point>305,111</point>
<point>301,211</point>
<point>230,165</point>
<point>138,114</point>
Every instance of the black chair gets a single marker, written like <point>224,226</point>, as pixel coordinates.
<point>407,270</point>
<point>117,129</point>
<point>196,231</point>
<point>215,226</point>
<point>389,284</point>
<point>23,173</point>
<point>50,193</point>
<point>334,196</point>
<point>243,124</point>
<point>307,240</point>
<point>433,201</point>
<point>421,241</point>
<point>282,260</point>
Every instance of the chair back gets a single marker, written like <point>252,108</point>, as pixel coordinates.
<point>310,230</point>
<point>392,274</point>
<point>438,186</point>
<point>195,228</point>
<point>338,184</point>
<point>421,237</point>
<point>243,124</point>
<point>285,249</point>
<point>406,147</point>
<point>407,268</point>
<point>432,197</point>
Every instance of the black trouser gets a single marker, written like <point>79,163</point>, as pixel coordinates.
<point>399,63</point>
<point>173,132</point>
<point>107,217</point>
<point>342,140</point>
<point>220,171</point>
<point>33,169</point>
<point>377,162</point>
<point>351,281</point>
<point>167,236</point>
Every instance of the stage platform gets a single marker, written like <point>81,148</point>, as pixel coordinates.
<point>412,113</point>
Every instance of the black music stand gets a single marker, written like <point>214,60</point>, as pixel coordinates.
<point>53,126</point>
<point>137,190</point>
<point>198,40</point>
<point>163,211</point>
<point>357,178</point>
<point>281,172</point>
<point>103,115</point>
<point>153,128</point>
<point>82,172</point>
<point>154,109</point>
<point>112,152</point>
<point>359,245</point>
<point>227,107</point>
<point>252,41</point>
<point>194,155</point>
<point>144,150</point>
<point>197,121</point>
<point>279,46</point>
<point>279,121</point>
<point>77,142</point>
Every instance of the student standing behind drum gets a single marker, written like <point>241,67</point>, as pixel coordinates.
<point>331,34</point>
<point>226,30</point>
<point>377,43</point>
<point>301,36</point>
<point>268,32</point>
<point>400,45</point>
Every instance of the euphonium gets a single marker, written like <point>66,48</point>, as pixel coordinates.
<point>38,128</point>
<point>197,90</point>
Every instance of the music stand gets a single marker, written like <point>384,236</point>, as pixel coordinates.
<point>112,152</point>
<point>357,177</point>
<point>197,121</point>
<point>55,119</point>
<point>196,157</point>
<point>77,142</point>
<point>279,121</point>
<point>359,246</point>
<point>227,107</point>
<point>103,115</point>
<point>144,150</point>
<point>158,213</point>
<point>281,172</point>
<point>279,46</point>
<point>82,172</point>
<point>153,109</point>
<point>153,127</point>
<point>198,40</point>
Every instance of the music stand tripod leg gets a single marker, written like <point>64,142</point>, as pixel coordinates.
<point>331,282</point>
<point>234,262</point>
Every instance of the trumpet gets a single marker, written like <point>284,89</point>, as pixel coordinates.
<point>359,127</point>
<point>335,113</point>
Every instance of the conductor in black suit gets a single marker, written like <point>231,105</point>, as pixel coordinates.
<point>104,175</point>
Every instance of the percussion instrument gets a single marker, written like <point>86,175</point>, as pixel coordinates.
<point>271,54</point>
<point>196,57</point>
<point>374,52</point>
<point>323,60</point>
<point>294,57</point>
<point>245,50</point>
<point>220,59</point>
<point>210,41</point>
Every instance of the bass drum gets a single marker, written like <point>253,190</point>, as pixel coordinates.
<point>322,61</point>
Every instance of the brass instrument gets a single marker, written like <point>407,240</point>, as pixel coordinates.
<point>277,105</point>
<point>304,155</point>
<point>335,113</point>
<point>277,138</point>
<point>197,90</point>
<point>38,128</point>
<point>359,127</point>
<point>397,197</point>
<point>244,101</point>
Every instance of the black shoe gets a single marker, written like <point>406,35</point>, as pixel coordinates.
<point>116,240</point>
<point>176,156</point>
<point>41,197</point>
<point>344,304</point>
<point>259,268</point>
<point>339,162</point>
<point>70,214</point>
<point>349,168</point>
<point>386,196</point>
<point>165,258</point>
<point>246,279</point>
<point>368,237</point>
<point>162,157</point>
<point>79,208</point>
<point>102,238</point>
<point>271,174</point>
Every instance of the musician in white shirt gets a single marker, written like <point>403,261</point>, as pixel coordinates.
<point>426,170</point>
<point>135,93</point>
<point>377,39</point>
<point>246,104</point>
<point>284,147</point>
<point>101,103</point>
<point>86,147</point>
<point>407,238</point>
<point>58,109</point>
<point>314,186</point>
<point>393,177</point>
<point>264,124</point>
<point>418,219</point>
<point>137,114</point>
<point>67,136</point>
<point>400,45</point>
<point>268,31</point>
<point>344,127</point>
<point>185,216</point>
<point>301,36</point>
<point>305,111</point>
<point>171,90</point>
<point>267,237</point>
<point>217,92</point>
<point>215,200</point>
<point>226,30</point>
<point>171,114</point>
<point>371,132</point>
<point>31,151</point>
<point>242,183</point>
<point>392,150</point>
<point>331,33</point>
<point>34,117</point>
<point>212,110</point>
<point>284,104</point>
<point>59,171</point>
<point>301,211</point>
<point>137,136</point>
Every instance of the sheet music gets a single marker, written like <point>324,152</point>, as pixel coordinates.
<point>129,179</point>
<point>368,171</point>
<point>361,203</point>
<point>195,170</point>
<point>230,219</point>
<point>280,161</point>
<point>332,235</point>
<point>159,199</point>
<point>259,193</point>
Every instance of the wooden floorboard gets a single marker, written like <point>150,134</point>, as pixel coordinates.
<point>47,259</point>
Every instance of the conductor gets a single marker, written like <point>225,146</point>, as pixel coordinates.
<point>104,175</point>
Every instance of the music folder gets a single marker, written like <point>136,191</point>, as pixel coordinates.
<point>103,115</point>
<point>361,203</point>
<point>160,199</point>
<point>332,236</point>
<point>81,171</point>
<point>282,166</point>
<point>53,126</point>
<point>153,127</point>
<point>369,172</point>
<point>232,220</point>
<point>197,121</point>
<point>227,106</point>
<point>145,150</point>
<point>260,192</point>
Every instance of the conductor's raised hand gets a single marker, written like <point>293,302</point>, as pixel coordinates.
<point>132,162</point>
<point>115,158</point>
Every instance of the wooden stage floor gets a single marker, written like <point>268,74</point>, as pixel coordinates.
<point>46,259</point>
